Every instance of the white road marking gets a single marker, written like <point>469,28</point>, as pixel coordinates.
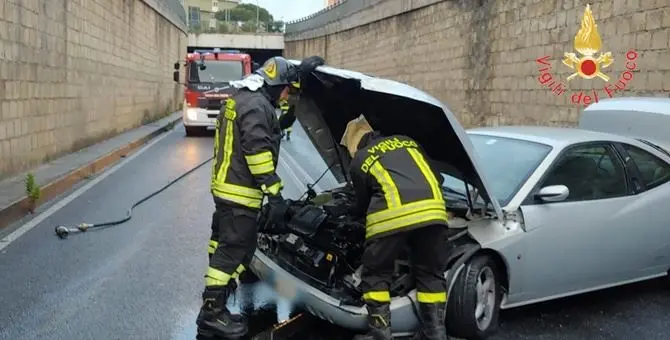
<point>60,204</point>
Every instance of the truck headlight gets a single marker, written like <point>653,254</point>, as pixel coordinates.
<point>191,114</point>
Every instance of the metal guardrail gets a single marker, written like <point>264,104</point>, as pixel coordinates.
<point>340,10</point>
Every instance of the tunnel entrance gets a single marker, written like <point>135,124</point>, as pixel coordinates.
<point>257,55</point>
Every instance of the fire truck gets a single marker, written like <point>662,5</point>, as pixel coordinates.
<point>208,74</point>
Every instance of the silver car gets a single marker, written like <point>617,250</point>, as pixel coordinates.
<point>536,213</point>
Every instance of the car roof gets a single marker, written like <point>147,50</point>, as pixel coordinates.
<point>657,105</point>
<point>554,136</point>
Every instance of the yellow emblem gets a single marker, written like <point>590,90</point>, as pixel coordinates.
<point>587,43</point>
<point>270,69</point>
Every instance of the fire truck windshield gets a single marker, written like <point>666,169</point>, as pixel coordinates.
<point>216,71</point>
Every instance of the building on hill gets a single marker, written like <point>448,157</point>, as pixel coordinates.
<point>200,13</point>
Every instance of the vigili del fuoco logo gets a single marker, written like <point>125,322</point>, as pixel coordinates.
<point>587,63</point>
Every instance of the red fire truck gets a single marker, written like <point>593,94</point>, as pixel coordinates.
<point>207,84</point>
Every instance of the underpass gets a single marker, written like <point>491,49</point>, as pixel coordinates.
<point>260,46</point>
<point>142,279</point>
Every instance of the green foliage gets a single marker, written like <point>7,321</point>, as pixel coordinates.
<point>276,26</point>
<point>246,12</point>
<point>32,188</point>
<point>248,26</point>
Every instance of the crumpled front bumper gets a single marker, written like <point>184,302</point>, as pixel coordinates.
<point>403,318</point>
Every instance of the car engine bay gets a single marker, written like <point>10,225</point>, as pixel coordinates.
<point>322,245</point>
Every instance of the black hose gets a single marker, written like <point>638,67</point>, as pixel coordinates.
<point>63,231</point>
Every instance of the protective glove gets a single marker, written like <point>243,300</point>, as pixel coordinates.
<point>309,64</point>
<point>278,210</point>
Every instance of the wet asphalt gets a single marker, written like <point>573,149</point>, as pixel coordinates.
<point>143,279</point>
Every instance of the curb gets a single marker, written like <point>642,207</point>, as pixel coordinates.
<point>19,210</point>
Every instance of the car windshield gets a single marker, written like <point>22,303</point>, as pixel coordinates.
<point>507,163</point>
<point>216,71</point>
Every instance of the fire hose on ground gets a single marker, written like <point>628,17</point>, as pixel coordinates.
<point>63,231</point>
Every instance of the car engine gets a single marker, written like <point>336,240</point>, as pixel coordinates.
<point>319,240</point>
<point>322,245</point>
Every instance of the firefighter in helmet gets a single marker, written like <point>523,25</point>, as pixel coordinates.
<point>287,108</point>
<point>400,195</point>
<point>246,149</point>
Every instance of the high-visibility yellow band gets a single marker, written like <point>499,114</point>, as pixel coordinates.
<point>259,158</point>
<point>240,269</point>
<point>423,297</point>
<point>427,172</point>
<point>400,222</point>
<point>386,182</point>
<point>272,189</point>
<point>403,210</point>
<point>249,197</point>
<point>215,277</point>
<point>379,296</point>
<point>242,200</point>
<point>227,147</point>
<point>263,168</point>
<point>212,246</point>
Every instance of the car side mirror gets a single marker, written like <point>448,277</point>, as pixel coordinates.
<point>175,76</point>
<point>176,66</point>
<point>553,193</point>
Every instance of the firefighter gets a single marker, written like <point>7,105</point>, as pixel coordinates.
<point>400,195</point>
<point>286,111</point>
<point>246,148</point>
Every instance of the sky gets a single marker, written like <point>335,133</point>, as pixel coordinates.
<point>288,10</point>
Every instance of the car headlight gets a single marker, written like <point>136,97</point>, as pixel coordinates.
<point>191,114</point>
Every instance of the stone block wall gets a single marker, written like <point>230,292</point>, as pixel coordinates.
<point>75,72</point>
<point>480,57</point>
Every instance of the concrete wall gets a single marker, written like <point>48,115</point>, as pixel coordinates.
<point>479,56</point>
<point>263,41</point>
<point>74,72</point>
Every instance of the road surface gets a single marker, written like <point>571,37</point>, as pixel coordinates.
<point>142,279</point>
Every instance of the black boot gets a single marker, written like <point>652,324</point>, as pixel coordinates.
<point>288,136</point>
<point>432,322</point>
<point>379,322</point>
<point>215,320</point>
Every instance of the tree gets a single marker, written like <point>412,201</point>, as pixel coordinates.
<point>246,12</point>
<point>248,26</point>
<point>276,27</point>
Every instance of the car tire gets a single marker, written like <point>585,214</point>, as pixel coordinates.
<point>194,131</point>
<point>472,313</point>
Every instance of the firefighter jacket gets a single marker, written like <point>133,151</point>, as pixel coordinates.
<point>246,150</point>
<point>287,117</point>
<point>396,188</point>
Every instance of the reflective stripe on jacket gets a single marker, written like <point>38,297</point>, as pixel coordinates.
<point>246,150</point>
<point>396,187</point>
<point>284,107</point>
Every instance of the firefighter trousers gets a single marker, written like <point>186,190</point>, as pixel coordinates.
<point>231,245</point>
<point>428,247</point>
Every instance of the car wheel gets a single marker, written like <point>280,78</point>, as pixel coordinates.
<point>474,302</point>
<point>193,131</point>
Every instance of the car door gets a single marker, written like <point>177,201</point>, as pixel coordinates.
<point>584,241</point>
<point>652,175</point>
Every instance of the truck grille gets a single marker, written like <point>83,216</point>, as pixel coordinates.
<point>211,104</point>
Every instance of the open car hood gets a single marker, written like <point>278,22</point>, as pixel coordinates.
<point>332,97</point>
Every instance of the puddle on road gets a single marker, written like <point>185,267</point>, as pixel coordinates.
<point>258,301</point>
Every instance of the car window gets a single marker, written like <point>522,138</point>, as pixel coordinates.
<point>506,162</point>
<point>590,172</point>
<point>653,170</point>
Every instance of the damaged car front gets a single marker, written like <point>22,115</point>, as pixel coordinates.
<point>316,259</point>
